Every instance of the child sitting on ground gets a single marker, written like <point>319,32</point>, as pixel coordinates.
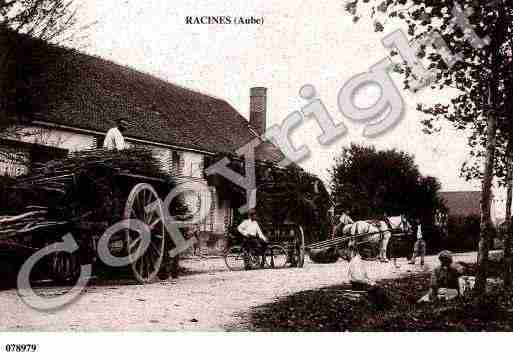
<point>445,283</point>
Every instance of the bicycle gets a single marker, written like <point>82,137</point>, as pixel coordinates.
<point>239,257</point>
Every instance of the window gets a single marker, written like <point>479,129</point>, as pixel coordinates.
<point>176,163</point>
<point>197,169</point>
<point>14,161</point>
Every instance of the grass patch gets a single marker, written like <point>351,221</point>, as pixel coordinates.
<point>330,309</point>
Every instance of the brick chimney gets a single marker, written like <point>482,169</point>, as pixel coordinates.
<point>258,109</point>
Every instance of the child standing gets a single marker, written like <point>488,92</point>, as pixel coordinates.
<point>419,248</point>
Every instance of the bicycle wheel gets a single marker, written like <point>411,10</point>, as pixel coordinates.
<point>275,256</point>
<point>234,258</point>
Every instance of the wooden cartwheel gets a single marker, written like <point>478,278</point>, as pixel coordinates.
<point>145,261</point>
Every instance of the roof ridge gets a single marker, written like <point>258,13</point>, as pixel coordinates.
<point>144,73</point>
<point>107,61</point>
<point>75,88</point>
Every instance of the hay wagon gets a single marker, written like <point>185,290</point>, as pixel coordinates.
<point>277,224</point>
<point>86,199</point>
<point>291,237</point>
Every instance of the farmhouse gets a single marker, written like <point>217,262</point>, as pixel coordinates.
<point>68,100</point>
<point>467,204</point>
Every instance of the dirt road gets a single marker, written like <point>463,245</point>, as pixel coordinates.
<point>210,299</point>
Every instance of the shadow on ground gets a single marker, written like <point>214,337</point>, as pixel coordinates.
<point>332,309</point>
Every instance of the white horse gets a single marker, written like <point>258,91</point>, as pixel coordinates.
<point>379,232</point>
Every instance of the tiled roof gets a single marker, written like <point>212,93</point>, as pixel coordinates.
<point>67,87</point>
<point>462,203</point>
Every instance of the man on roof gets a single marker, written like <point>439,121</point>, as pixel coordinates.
<point>114,139</point>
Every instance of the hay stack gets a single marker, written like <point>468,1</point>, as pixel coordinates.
<point>135,160</point>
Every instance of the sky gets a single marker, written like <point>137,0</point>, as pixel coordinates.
<point>300,42</point>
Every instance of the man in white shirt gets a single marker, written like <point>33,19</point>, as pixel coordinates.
<point>252,233</point>
<point>114,139</point>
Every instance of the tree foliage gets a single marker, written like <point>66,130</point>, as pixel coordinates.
<point>471,76</point>
<point>366,183</point>
<point>294,195</point>
<point>46,20</point>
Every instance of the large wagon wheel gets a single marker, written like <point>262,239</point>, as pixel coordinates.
<point>298,253</point>
<point>145,266</point>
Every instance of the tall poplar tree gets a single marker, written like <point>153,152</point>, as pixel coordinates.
<point>478,75</point>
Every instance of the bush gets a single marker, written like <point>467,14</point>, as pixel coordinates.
<point>463,233</point>
<point>435,238</point>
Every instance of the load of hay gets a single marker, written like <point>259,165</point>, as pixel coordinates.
<point>85,186</point>
<point>135,160</point>
<point>283,195</point>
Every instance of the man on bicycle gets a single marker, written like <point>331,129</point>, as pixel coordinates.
<point>253,236</point>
